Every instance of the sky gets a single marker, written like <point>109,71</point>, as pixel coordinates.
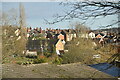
<point>36,12</point>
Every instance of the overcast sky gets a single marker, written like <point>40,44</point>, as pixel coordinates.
<point>36,12</point>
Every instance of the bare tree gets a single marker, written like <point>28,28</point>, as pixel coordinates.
<point>0,17</point>
<point>5,20</point>
<point>13,16</point>
<point>89,9</point>
<point>22,22</point>
<point>22,19</point>
<point>10,17</point>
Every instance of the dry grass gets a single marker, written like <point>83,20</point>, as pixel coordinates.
<point>85,50</point>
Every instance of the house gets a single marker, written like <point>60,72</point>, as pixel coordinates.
<point>49,35</point>
<point>29,29</point>
<point>84,35</point>
<point>69,35</point>
<point>74,35</point>
<point>17,32</point>
<point>61,37</point>
<point>63,32</point>
<point>101,38</point>
<point>60,46</point>
<point>91,35</point>
<point>99,35</point>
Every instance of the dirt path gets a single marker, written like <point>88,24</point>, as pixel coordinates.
<point>75,70</point>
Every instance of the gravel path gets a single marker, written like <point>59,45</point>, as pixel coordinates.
<point>75,70</point>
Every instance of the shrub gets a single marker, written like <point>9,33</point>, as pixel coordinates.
<point>57,60</point>
<point>24,61</point>
<point>47,54</point>
<point>36,61</point>
<point>40,60</point>
<point>79,53</point>
<point>19,62</point>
